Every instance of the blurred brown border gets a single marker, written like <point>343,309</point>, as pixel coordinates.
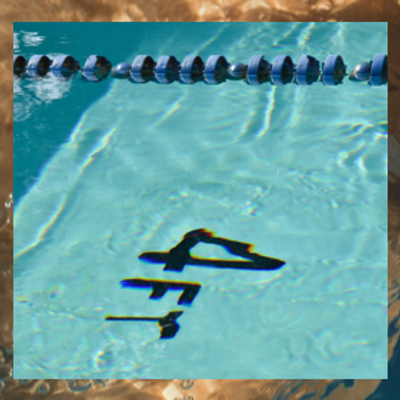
<point>178,10</point>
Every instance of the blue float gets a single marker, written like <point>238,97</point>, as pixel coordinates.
<point>282,70</point>
<point>215,70</point>
<point>96,68</point>
<point>307,70</point>
<point>361,72</point>
<point>64,66</point>
<point>192,70</point>
<point>333,70</point>
<point>19,65</point>
<point>121,71</point>
<point>142,70</point>
<point>166,70</point>
<point>379,68</point>
<point>236,72</point>
<point>38,66</point>
<point>258,70</point>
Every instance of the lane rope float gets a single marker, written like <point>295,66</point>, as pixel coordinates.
<point>214,71</point>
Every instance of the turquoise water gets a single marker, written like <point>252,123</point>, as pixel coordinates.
<point>105,172</point>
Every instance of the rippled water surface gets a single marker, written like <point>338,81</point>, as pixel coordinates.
<point>298,172</point>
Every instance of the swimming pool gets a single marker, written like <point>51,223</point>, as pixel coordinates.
<point>106,172</point>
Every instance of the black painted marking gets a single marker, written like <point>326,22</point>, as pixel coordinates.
<point>160,287</point>
<point>179,256</point>
<point>169,326</point>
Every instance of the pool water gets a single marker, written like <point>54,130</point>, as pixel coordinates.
<point>105,172</point>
